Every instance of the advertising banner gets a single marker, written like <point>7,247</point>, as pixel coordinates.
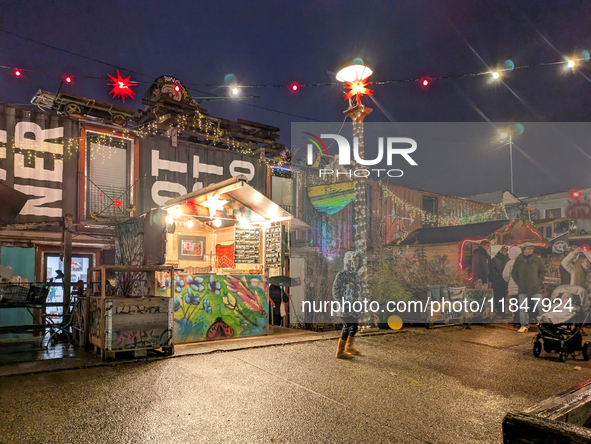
<point>167,172</point>
<point>38,157</point>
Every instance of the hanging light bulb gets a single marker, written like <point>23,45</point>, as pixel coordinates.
<point>190,223</point>
<point>217,223</point>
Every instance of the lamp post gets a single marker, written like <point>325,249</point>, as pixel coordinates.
<point>504,136</point>
<point>355,77</point>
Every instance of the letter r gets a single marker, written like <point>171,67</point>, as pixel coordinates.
<point>404,152</point>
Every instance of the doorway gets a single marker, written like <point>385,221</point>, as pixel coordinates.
<point>79,269</point>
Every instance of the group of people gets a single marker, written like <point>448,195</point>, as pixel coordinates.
<point>519,273</point>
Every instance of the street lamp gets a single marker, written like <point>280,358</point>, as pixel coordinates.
<point>509,137</point>
<point>355,76</point>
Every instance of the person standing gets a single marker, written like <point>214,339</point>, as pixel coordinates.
<point>347,287</point>
<point>578,264</point>
<point>481,263</point>
<point>277,296</point>
<point>512,288</point>
<point>528,274</point>
<point>500,286</point>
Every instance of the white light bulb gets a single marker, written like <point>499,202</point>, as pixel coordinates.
<point>217,223</point>
<point>169,219</point>
<point>570,63</point>
<point>496,75</point>
<point>190,224</point>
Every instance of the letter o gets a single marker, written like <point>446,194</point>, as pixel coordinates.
<point>403,309</point>
<point>358,171</point>
<point>244,165</point>
<point>390,175</point>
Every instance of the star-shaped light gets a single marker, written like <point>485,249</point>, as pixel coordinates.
<point>358,88</point>
<point>121,87</point>
<point>213,203</point>
<point>574,194</point>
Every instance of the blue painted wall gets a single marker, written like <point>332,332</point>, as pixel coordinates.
<point>22,261</point>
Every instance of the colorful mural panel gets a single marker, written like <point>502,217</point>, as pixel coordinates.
<point>210,307</point>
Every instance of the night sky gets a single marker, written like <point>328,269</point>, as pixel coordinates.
<point>277,43</point>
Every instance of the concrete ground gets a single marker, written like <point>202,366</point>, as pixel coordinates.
<point>446,385</point>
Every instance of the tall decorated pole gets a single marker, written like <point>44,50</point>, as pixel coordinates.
<point>356,80</point>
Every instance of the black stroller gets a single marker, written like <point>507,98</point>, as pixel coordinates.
<point>561,328</point>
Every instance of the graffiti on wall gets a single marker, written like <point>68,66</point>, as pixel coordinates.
<point>209,307</point>
<point>126,339</point>
<point>395,227</point>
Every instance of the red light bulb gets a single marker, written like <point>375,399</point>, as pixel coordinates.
<point>177,88</point>
<point>295,87</point>
<point>425,82</point>
<point>68,79</point>
<point>18,73</point>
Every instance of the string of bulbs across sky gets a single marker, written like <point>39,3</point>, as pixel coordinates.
<point>234,89</point>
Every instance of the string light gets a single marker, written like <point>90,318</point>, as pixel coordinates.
<point>496,74</point>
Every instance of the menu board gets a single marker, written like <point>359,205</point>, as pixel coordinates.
<point>247,243</point>
<point>273,245</point>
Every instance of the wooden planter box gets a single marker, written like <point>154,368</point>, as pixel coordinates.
<point>560,419</point>
<point>119,324</point>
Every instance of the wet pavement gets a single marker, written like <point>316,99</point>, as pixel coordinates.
<point>446,385</point>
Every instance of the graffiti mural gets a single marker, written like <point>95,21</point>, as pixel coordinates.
<point>130,339</point>
<point>394,227</point>
<point>209,307</point>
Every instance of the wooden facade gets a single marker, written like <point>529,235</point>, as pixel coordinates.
<point>394,212</point>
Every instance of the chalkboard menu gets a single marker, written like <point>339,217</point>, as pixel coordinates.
<point>247,243</point>
<point>273,245</point>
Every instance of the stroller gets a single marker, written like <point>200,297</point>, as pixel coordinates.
<point>561,328</point>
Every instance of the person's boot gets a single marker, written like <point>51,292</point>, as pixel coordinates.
<point>349,347</point>
<point>341,353</point>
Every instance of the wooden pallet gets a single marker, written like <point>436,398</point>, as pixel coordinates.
<point>110,355</point>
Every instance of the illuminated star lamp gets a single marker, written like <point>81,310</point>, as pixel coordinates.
<point>213,204</point>
<point>574,194</point>
<point>358,88</point>
<point>121,87</point>
<point>355,79</point>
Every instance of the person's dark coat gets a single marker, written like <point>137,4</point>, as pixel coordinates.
<point>480,265</point>
<point>277,295</point>
<point>528,274</point>
<point>497,265</point>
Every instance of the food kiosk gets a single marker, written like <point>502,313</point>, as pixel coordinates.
<point>228,239</point>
